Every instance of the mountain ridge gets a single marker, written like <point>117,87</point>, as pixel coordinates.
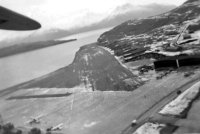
<point>87,21</point>
<point>125,14</point>
<point>93,68</point>
<point>144,25</point>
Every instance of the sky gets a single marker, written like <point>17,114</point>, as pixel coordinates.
<point>66,14</point>
<point>48,12</point>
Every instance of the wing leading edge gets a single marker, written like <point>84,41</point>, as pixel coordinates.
<point>10,20</point>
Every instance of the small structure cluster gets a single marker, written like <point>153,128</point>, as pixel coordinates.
<point>145,68</point>
<point>165,73</point>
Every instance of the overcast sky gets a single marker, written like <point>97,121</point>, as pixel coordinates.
<point>46,11</point>
<point>58,7</point>
<point>66,14</point>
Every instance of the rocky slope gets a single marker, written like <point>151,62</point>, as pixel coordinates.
<point>141,41</point>
<point>92,69</point>
<point>168,34</point>
<point>189,10</point>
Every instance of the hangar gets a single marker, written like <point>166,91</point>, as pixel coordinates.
<point>177,61</point>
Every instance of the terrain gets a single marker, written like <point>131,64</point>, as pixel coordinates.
<point>82,21</point>
<point>124,13</point>
<point>93,69</point>
<point>88,112</point>
<point>26,47</point>
<point>112,82</point>
<point>157,36</point>
<point>140,42</point>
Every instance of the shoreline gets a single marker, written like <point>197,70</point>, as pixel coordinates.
<point>27,47</point>
<point>35,78</point>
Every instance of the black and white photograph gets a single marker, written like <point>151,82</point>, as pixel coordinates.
<point>99,66</point>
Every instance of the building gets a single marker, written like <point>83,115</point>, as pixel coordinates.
<point>177,61</point>
<point>186,36</point>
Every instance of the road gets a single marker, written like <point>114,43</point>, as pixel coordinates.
<point>177,39</point>
<point>38,96</point>
<point>156,107</point>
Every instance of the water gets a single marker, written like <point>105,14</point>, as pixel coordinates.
<point>26,66</point>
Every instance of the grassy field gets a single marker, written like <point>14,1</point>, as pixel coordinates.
<point>88,112</point>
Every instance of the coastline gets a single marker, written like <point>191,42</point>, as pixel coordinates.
<point>27,47</point>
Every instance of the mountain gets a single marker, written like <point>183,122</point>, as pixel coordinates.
<point>93,68</point>
<point>123,13</point>
<point>189,10</point>
<point>82,21</point>
<point>128,11</point>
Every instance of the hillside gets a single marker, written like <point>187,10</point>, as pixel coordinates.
<point>90,95</point>
<point>93,69</point>
<point>173,33</point>
<point>123,13</point>
<point>189,10</point>
<point>83,21</point>
<point>85,112</point>
<point>141,42</point>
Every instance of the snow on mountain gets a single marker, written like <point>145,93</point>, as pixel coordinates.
<point>122,10</point>
<point>86,17</point>
<point>135,26</point>
<point>56,30</point>
<point>79,19</point>
<point>139,11</point>
<point>82,21</point>
<point>123,13</point>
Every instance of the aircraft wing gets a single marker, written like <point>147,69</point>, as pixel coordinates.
<point>27,122</point>
<point>59,126</point>
<point>31,118</point>
<point>10,20</point>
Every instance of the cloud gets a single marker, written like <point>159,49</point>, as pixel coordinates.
<point>50,12</point>
<point>67,13</point>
